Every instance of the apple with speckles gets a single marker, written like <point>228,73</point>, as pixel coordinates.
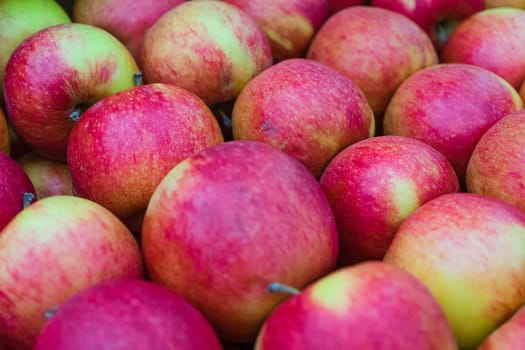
<point>370,305</point>
<point>375,184</point>
<point>469,251</point>
<point>55,74</point>
<point>304,108</point>
<point>509,336</point>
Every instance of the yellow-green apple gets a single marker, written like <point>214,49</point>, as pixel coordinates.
<point>289,25</point>
<point>337,5</point>
<point>54,74</point>
<point>450,106</point>
<point>375,184</point>
<point>14,184</point>
<point>228,221</point>
<point>505,3</point>
<point>376,48</point>
<point>370,305</point>
<point>208,47</point>
<point>49,177</point>
<point>51,250</point>
<point>438,18</point>
<point>133,313</point>
<point>509,336</point>
<point>469,250</point>
<point>134,138</point>
<point>127,20</point>
<point>496,167</point>
<point>5,140</point>
<point>304,108</point>
<point>493,39</point>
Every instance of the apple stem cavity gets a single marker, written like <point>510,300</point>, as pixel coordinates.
<point>51,312</point>
<point>27,199</point>
<point>137,78</point>
<point>276,287</point>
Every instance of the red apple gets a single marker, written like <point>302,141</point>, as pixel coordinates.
<point>450,106</point>
<point>509,336</point>
<point>208,47</point>
<point>375,184</point>
<point>127,314</point>
<point>376,48</point>
<point>229,220</point>
<point>289,24</point>
<point>57,72</point>
<point>135,137</point>
<point>337,5</point>
<point>51,250</point>
<point>493,39</point>
<point>469,251</point>
<point>370,305</point>
<point>127,20</point>
<point>304,108</point>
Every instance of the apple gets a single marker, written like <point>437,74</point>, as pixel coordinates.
<point>370,305</point>
<point>307,109</point>
<point>469,251</point>
<point>208,47</point>
<point>56,73</point>
<point>505,3</point>
<point>289,24</point>
<point>450,106</point>
<point>337,5</point>
<point>135,137</point>
<point>229,220</point>
<point>509,336</point>
<point>127,20</point>
<point>438,18</point>
<point>493,39</point>
<point>51,250</point>
<point>5,141</point>
<point>376,48</point>
<point>132,313</point>
<point>375,184</point>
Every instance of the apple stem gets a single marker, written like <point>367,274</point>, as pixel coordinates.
<point>75,114</point>
<point>276,287</point>
<point>51,312</point>
<point>28,199</point>
<point>137,78</point>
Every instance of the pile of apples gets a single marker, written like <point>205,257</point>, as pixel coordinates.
<point>262,174</point>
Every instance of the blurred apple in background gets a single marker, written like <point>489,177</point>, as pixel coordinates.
<point>370,305</point>
<point>128,20</point>
<point>208,47</point>
<point>492,39</point>
<point>337,5</point>
<point>375,184</point>
<point>228,221</point>
<point>450,106</point>
<point>127,314</point>
<point>505,3</point>
<point>509,336</point>
<point>5,141</point>
<point>289,24</point>
<point>304,108</point>
<point>55,74</point>
<point>469,250</point>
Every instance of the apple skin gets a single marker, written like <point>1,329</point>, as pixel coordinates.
<point>337,5</point>
<point>450,106</point>
<point>5,140</point>
<point>208,47</point>
<point>289,24</point>
<point>486,38</point>
<point>50,251</point>
<point>469,250</point>
<point>383,49</point>
<point>375,184</point>
<point>135,137</point>
<point>56,70</point>
<point>306,109</point>
<point>370,305</point>
<point>132,313</point>
<point>269,221</point>
<point>127,20</point>
<point>505,3</point>
<point>509,336</point>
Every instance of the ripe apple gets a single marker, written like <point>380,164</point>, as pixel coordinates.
<point>50,251</point>
<point>5,141</point>
<point>374,47</point>
<point>132,313</point>
<point>127,20</point>
<point>505,3</point>
<point>375,184</point>
<point>135,137</point>
<point>493,39</point>
<point>370,305</point>
<point>450,106</point>
<point>229,220</point>
<point>509,336</point>
<point>208,47</point>
<point>57,72</point>
<point>337,5</point>
<point>469,250</point>
<point>289,24</point>
<point>308,110</point>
